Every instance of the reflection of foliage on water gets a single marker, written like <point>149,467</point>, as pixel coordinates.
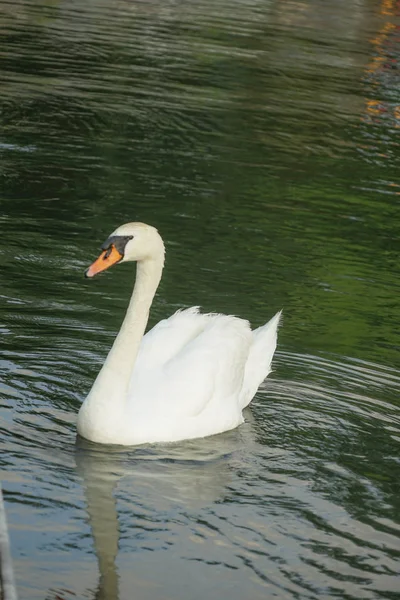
<point>237,132</point>
<point>382,105</point>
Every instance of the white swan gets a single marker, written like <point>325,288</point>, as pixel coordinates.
<point>189,377</point>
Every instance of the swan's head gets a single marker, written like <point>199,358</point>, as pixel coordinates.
<point>129,242</point>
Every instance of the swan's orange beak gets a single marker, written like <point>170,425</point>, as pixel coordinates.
<point>106,259</point>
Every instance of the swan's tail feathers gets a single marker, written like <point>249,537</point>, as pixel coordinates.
<point>258,364</point>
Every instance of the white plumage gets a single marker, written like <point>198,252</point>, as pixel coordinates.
<point>189,377</point>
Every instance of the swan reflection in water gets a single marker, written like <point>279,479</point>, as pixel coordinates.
<point>158,480</point>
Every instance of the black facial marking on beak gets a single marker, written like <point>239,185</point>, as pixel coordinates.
<point>118,241</point>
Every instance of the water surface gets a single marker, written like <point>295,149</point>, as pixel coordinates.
<point>262,139</point>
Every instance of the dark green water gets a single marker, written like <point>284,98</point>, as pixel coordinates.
<point>262,139</point>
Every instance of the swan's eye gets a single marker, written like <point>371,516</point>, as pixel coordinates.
<point>108,252</point>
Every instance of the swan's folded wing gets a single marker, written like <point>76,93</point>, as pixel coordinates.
<point>169,337</point>
<point>196,392</point>
<point>209,369</point>
<point>159,347</point>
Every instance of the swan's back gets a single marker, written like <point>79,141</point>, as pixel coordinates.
<point>194,345</point>
<point>190,380</point>
<point>200,366</point>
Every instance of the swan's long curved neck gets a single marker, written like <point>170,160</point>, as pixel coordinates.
<point>110,389</point>
<point>122,356</point>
